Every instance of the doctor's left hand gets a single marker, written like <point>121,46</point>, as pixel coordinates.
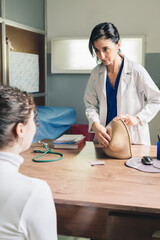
<point>128,119</point>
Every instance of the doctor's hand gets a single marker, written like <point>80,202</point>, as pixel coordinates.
<point>101,134</point>
<point>128,119</point>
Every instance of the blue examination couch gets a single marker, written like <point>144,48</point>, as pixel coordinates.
<point>53,121</point>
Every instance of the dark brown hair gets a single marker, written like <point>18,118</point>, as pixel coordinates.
<point>106,30</point>
<point>15,107</point>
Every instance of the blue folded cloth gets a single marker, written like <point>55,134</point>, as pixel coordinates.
<point>53,121</point>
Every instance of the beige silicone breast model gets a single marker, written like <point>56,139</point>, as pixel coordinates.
<point>119,146</point>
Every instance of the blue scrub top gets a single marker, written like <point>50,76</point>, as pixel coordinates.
<point>111,94</point>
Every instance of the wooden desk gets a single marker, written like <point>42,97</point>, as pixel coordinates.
<point>111,202</point>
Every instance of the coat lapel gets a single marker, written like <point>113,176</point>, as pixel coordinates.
<point>102,76</point>
<point>124,81</point>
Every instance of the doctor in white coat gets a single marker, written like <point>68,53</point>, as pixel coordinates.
<point>118,88</point>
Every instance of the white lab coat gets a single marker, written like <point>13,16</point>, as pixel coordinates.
<point>135,85</point>
<point>27,210</point>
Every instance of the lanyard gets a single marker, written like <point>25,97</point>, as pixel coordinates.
<point>48,150</point>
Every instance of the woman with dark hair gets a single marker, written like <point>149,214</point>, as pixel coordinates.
<point>117,88</point>
<point>27,210</point>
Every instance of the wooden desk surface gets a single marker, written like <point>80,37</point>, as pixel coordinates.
<point>72,179</point>
<point>113,186</point>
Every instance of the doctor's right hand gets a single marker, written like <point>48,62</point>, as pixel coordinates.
<point>101,134</point>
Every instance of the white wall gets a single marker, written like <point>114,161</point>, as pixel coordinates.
<point>76,18</point>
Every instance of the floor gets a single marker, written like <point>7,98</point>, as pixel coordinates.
<point>60,237</point>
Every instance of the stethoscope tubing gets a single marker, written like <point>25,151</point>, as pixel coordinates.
<point>48,150</point>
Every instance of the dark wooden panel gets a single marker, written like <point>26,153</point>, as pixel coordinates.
<point>39,101</point>
<point>132,226</point>
<point>1,53</point>
<point>82,221</point>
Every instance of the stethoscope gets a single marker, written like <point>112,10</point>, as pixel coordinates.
<point>48,150</point>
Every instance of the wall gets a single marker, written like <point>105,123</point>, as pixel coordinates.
<point>74,18</point>
<point>26,12</point>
